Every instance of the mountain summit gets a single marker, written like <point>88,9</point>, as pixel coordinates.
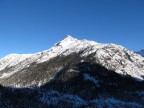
<point>69,38</point>
<point>74,73</point>
<point>67,41</point>
<point>113,57</point>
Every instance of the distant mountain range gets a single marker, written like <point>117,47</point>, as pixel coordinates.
<point>73,73</point>
<point>141,52</point>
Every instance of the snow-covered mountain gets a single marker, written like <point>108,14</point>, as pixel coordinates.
<point>111,56</point>
<point>141,52</point>
<point>79,71</point>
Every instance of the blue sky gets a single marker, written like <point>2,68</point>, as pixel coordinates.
<point>29,26</point>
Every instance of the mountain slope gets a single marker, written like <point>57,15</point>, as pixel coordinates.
<point>78,85</point>
<point>18,72</point>
<point>73,73</point>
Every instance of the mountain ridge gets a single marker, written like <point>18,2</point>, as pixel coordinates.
<point>73,73</point>
<point>111,56</point>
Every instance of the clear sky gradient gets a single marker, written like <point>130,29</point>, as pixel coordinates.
<point>29,26</point>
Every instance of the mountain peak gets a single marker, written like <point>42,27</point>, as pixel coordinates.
<point>67,41</point>
<point>69,38</point>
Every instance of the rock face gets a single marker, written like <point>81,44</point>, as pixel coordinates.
<point>74,73</point>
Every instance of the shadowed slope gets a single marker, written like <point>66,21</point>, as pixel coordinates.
<point>82,82</point>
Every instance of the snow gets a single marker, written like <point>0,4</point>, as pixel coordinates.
<point>54,98</point>
<point>65,47</point>
<point>119,61</point>
<point>111,56</point>
<point>114,103</point>
<point>87,77</point>
<point>5,75</point>
<point>10,61</point>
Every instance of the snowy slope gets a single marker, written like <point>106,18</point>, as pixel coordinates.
<point>12,60</point>
<point>111,56</point>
